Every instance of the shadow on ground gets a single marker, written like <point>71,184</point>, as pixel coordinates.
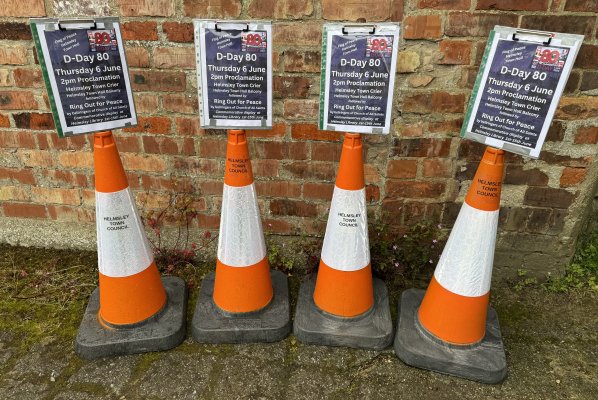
<point>550,338</point>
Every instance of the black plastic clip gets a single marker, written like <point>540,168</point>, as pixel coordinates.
<point>218,29</point>
<point>345,32</point>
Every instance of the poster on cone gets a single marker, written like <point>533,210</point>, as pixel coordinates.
<point>518,88</point>
<point>358,75</point>
<point>234,73</point>
<point>85,72</point>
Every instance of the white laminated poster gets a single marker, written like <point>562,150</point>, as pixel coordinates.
<point>358,76</point>
<point>518,88</point>
<point>86,75</point>
<point>234,73</point>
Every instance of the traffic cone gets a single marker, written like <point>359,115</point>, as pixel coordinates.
<point>343,305</point>
<point>133,310</point>
<point>243,301</point>
<point>451,329</point>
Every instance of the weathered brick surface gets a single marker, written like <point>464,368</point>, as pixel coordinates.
<point>420,172</point>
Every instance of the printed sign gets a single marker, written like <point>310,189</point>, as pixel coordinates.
<point>85,72</point>
<point>358,80</point>
<point>518,88</point>
<point>234,73</point>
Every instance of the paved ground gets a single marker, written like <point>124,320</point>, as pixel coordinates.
<point>551,341</point>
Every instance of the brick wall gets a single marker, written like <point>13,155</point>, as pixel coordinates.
<point>421,170</point>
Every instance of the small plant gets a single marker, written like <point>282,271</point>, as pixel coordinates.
<point>408,255</point>
<point>524,280</point>
<point>582,272</point>
<point>170,254</point>
<point>302,250</point>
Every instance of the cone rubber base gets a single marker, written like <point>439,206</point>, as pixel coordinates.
<point>372,330</point>
<point>270,324</point>
<point>483,362</point>
<point>163,331</point>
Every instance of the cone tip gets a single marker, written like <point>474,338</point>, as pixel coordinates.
<point>103,139</point>
<point>493,155</point>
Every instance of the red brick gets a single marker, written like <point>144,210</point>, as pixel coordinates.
<point>35,158</point>
<point>174,57</point>
<point>421,148</point>
<point>17,140</point>
<point>581,25</point>
<point>444,4</point>
<point>548,197</point>
<point>372,193</point>
<point>266,168</point>
<point>280,9</point>
<point>586,135</point>
<point>181,32</point>
<point>159,81</point>
<point>208,221</point>
<point>16,55</point>
<point>23,8</point>
<point>322,151</point>
<point>296,208</point>
<point>311,170</point>
<point>402,169</point>
<point>212,8</point>
<point>311,132</point>
<point>301,109</point>
<point>339,10</point>
<point>196,165</point>
<point>4,121</point>
<point>34,121</point>
<point>446,126</point>
<point>137,57</point>
<point>422,27</point>
<point>168,145</point>
<point>317,191</point>
<point>150,8</point>
<point>13,193</point>
<point>69,143</point>
<point>281,150</point>
<point>28,77</point>
<point>556,132</point>
<point>443,102</point>
<point>160,125</point>
<point>278,130</point>
<point>14,31</point>
<point>23,176</point>
<point>513,5</point>
<point>575,108</point>
<point>140,30</point>
<point>588,82</point>
<point>517,175</point>
<point>588,54</point>
<point>129,144</point>
<point>56,196</point>
<point>572,176</point>
<point>568,161</point>
<point>582,5</point>
<point>291,86</point>
<point>438,168</point>
<point>304,33</point>
<point>17,100</point>
<point>213,148</point>
<point>455,52</point>
<point>278,226</point>
<point>23,210</point>
<point>412,130</point>
<point>479,24</point>
<point>413,189</point>
<point>61,177</point>
<point>76,159</point>
<point>146,103</point>
<point>278,189</point>
<point>180,103</point>
<point>188,126</point>
<point>138,162</point>
<point>302,61</point>
<point>68,213</point>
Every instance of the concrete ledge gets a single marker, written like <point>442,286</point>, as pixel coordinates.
<point>163,331</point>
<point>484,362</point>
<point>373,330</point>
<point>271,324</point>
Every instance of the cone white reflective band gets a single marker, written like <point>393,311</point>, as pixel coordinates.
<point>346,245</point>
<point>465,266</point>
<point>241,240</point>
<point>123,249</point>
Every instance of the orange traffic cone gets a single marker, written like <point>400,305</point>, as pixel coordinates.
<point>243,301</point>
<point>131,312</point>
<point>453,331</point>
<point>343,306</point>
